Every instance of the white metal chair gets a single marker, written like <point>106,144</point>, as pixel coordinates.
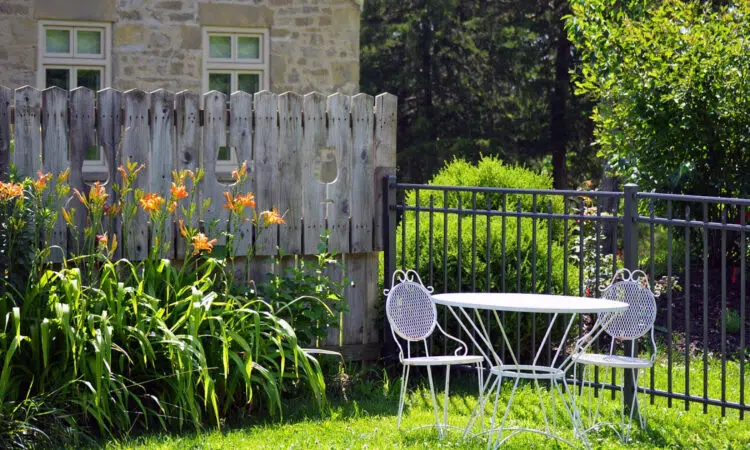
<point>637,321</point>
<point>413,317</point>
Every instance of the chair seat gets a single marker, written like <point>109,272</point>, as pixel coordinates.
<point>442,360</point>
<point>617,361</point>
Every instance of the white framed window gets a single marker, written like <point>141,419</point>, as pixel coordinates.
<point>73,54</point>
<point>234,59</point>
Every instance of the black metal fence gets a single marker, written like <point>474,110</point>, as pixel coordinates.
<point>693,248</point>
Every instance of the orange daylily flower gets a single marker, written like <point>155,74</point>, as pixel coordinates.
<point>272,217</point>
<point>172,207</point>
<point>239,203</point>
<point>239,174</point>
<point>179,192</point>
<point>41,181</point>
<point>201,242</point>
<point>151,202</point>
<point>10,190</point>
<point>183,229</point>
<point>98,193</point>
<point>247,200</point>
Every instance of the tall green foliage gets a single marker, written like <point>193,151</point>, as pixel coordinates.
<point>671,80</point>
<point>113,345</point>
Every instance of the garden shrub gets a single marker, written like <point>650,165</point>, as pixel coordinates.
<point>525,260</point>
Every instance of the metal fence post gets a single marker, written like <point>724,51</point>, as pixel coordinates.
<point>389,256</point>
<point>630,260</point>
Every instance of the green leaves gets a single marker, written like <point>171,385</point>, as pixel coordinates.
<point>672,82</point>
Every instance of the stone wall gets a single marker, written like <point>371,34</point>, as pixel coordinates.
<point>157,43</point>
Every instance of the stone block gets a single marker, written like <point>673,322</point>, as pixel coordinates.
<point>191,37</point>
<point>100,10</point>
<point>14,10</point>
<point>23,31</point>
<point>182,17</point>
<point>232,15</point>
<point>127,34</point>
<point>173,5</point>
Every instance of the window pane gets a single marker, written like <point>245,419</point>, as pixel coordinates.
<point>248,82</point>
<point>220,47</point>
<point>57,77</point>
<point>92,153</point>
<point>224,154</point>
<point>248,47</point>
<point>58,41</point>
<point>89,42</point>
<point>221,82</point>
<point>90,78</point>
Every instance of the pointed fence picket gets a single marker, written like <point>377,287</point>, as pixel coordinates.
<point>317,159</point>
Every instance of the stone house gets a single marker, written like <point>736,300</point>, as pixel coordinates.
<point>299,45</point>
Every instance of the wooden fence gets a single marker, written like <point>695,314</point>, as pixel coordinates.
<point>288,140</point>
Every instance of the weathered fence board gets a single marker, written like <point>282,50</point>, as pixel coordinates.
<point>314,195</point>
<point>290,171</point>
<point>6,96</point>
<point>82,136</point>
<point>27,131</point>
<point>55,154</point>
<point>385,155</point>
<point>161,116</point>
<point>339,192</point>
<point>214,137</point>
<point>362,187</point>
<point>315,158</point>
<point>188,139</point>
<point>266,167</point>
<point>109,135</point>
<point>241,142</point>
<point>136,146</point>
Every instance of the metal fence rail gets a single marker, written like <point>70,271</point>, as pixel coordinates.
<point>693,248</point>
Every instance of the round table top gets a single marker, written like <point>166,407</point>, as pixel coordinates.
<point>529,303</point>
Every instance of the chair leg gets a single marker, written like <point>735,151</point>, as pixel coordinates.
<point>402,396</point>
<point>445,398</point>
<point>434,401</point>
<point>634,405</point>
<point>480,399</point>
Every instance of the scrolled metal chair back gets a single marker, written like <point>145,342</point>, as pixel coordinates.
<point>631,288</point>
<point>409,307</point>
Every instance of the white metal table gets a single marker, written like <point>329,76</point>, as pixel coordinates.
<point>466,307</point>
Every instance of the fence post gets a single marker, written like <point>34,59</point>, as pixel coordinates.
<point>389,256</point>
<point>630,257</point>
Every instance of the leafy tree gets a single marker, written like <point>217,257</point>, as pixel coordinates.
<point>671,80</point>
<point>475,78</point>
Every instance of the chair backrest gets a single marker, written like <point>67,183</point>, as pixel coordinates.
<point>633,289</point>
<point>409,306</point>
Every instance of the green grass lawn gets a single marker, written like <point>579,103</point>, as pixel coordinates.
<point>368,420</point>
